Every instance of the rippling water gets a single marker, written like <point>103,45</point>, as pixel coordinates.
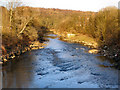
<point>60,65</point>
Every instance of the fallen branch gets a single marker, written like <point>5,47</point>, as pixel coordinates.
<point>25,26</point>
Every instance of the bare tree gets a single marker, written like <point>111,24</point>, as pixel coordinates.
<point>11,5</point>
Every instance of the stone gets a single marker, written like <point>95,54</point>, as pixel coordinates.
<point>70,35</point>
<point>93,51</point>
<point>1,62</point>
<point>5,60</point>
<point>77,48</point>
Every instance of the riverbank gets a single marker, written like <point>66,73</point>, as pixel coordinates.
<point>110,52</point>
<point>77,38</point>
<point>9,56</point>
<point>59,65</point>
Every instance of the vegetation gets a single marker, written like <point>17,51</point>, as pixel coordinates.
<point>28,24</point>
<point>21,30</point>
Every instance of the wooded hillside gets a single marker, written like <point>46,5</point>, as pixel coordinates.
<point>29,24</point>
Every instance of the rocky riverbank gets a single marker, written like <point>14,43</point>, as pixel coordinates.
<point>9,56</point>
<point>78,38</point>
<point>111,52</point>
<point>60,65</point>
<point>85,40</point>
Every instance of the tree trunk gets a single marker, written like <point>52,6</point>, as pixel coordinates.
<point>25,26</point>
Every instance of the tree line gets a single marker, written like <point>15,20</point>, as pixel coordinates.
<point>24,25</point>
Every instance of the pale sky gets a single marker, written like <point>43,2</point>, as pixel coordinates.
<point>82,5</point>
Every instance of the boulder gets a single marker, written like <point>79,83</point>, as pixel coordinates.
<point>94,51</point>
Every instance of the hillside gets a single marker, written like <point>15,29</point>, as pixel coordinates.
<point>30,24</point>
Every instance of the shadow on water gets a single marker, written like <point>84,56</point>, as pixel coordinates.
<point>21,71</point>
<point>0,77</point>
<point>52,36</point>
<point>18,72</point>
<point>110,62</point>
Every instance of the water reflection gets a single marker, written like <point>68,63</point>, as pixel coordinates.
<point>106,62</point>
<point>55,60</point>
<point>18,73</point>
<point>0,77</point>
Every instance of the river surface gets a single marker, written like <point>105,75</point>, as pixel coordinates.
<point>60,65</point>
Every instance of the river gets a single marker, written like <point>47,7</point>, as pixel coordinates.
<point>60,65</point>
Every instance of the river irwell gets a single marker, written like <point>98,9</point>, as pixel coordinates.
<point>60,65</point>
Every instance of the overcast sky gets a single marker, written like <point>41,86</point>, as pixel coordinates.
<point>83,5</point>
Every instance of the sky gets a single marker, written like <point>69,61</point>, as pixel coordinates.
<point>82,5</point>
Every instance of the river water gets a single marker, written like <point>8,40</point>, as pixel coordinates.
<point>60,65</point>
